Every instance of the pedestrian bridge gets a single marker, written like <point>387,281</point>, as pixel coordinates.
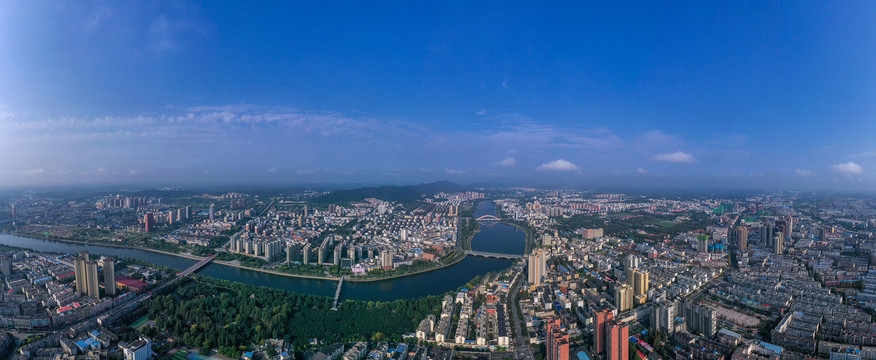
<point>493,255</point>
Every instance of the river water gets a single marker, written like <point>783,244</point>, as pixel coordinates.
<point>493,237</point>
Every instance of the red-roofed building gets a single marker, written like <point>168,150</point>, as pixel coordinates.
<point>130,284</point>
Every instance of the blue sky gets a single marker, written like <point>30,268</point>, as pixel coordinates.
<point>741,94</point>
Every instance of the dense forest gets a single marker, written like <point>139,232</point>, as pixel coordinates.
<point>230,316</point>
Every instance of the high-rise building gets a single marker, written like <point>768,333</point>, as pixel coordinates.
<point>617,341</point>
<point>305,254</point>
<point>741,238</point>
<point>212,209</point>
<point>109,276</point>
<point>698,318</point>
<point>703,243</point>
<point>6,265</point>
<point>337,256</point>
<point>386,259</point>
<point>822,234</point>
<point>641,279</point>
<point>663,318</point>
<point>537,266</point>
<point>557,345</point>
<point>766,235</point>
<point>188,212</point>
<point>13,212</point>
<point>86,275</point>
<point>79,272</point>
<point>600,318</point>
<point>288,253</point>
<point>623,297</point>
<point>148,222</point>
<point>92,288</point>
<point>778,244</point>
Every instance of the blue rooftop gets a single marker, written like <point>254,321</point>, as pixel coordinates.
<point>582,356</point>
<point>774,348</point>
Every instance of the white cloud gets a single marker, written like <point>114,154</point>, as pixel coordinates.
<point>482,112</point>
<point>675,157</point>
<point>642,171</point>
<point>803,172</point>
<point>849,168</point>
<point>508,161</point>
<point>559,165</point>
<point>134,172</point>
<point>453,171</point>
<point>272,170</point>
<point>34,172</point>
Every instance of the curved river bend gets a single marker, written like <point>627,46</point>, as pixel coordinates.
<point>494,237</point>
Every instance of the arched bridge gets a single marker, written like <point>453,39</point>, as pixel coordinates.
<point>488,218</point>
<point>493,255</point>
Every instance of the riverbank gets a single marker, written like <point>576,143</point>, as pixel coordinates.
<point>527,239</point>
<point>107,244</point>
<point>454,262</point>
<point>236,265</point>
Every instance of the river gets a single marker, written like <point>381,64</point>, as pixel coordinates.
<point>493,237</point>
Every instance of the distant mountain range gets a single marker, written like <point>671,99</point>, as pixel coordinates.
<point>407,193</point>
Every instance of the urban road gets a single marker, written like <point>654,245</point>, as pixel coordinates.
<point>522,349</point>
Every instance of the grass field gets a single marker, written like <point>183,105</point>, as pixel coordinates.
<point>138,323</point>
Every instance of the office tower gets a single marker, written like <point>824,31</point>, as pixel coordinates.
<point>778,244</point>
<point>386,259</point>
<point>188,212</point>
<point>640,285</point>
<point>537,266</point>
<point>741,238</point>
<point>109,276</point>
<point>623,297</point>
<point>663,318</point>
<point>699,318</point>
<point>601,317</point>
<point>822,234</point>
<point>212,208</point>
<point>300,221</point>
<point>148,222</point>
<point>790,228</point>
<point>6,265</point>
<point>305,210</point>
<point>557,345</point>
<point>305,254</point>
<point>13,212</point>
<point>320,255</point>
<point>617,341</point>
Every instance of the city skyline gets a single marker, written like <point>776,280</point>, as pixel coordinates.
<point>712,95</point>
